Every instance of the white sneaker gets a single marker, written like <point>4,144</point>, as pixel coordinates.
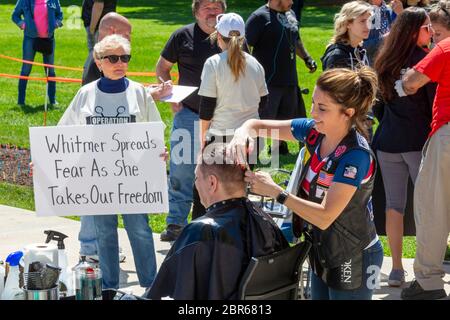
<point>122,256</point>
<point>92,259</point>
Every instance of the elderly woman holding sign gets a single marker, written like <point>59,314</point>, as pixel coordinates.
<point>110,100</point>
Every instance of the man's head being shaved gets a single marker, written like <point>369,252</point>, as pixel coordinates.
<point>217,176</point>
<point>114,23</point>
<point>215,161</point>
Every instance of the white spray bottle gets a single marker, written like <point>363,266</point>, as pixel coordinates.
<point>66,280</point>
<point>12,290</point>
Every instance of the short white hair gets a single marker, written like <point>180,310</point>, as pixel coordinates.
<point>110,43</point>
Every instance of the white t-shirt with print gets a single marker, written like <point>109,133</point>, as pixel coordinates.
<point>237,101</point>
<point>93,106</point>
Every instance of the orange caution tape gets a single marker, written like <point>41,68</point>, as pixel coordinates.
<point>40,64</point>
<point>54,79</point>
<point>137,74</point>
<point>143,74</point>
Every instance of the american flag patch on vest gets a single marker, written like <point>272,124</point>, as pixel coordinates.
<point>325,179</point>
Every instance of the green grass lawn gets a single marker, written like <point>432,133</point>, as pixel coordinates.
<point>151,29</point>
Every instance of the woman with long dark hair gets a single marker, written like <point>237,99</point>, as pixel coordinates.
<point>405,122</point>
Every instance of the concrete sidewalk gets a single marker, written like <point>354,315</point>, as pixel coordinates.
<point>19,228</point>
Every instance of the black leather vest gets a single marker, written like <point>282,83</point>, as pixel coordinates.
<point>354,228</point>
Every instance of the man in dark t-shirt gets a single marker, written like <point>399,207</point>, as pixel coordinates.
<point>297,7</point>
<point>188,47</point>
<point>86,13</point>
<point>91,14</point>
<point>94,10</point>
<point>272,32</point>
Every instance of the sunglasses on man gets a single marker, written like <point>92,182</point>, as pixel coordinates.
<point>113,58</point>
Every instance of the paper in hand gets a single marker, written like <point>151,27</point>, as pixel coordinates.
<point>179,93</point>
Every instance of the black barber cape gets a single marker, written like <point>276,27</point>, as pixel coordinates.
<point>212,253</point>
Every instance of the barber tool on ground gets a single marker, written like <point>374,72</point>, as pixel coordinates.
<point>88,281</point>
<point>42,282</point>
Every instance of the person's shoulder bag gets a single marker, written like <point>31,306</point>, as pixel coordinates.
<point>43,45</point>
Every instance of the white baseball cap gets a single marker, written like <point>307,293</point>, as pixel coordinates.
<point>228,22</point>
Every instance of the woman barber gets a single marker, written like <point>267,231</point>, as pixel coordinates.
<point>334,193</point>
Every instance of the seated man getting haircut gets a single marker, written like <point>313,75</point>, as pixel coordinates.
<point>211,254</point>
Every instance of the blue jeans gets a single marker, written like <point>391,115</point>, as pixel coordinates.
<point>141,240</point>
<point>372,261</point>
<point>184,146</point>
<point>28,53</point>
<point>91,39</point>
<point>88,237</point>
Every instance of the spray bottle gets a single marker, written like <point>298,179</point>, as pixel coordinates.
<point>66,287</point>
<point>2,277</point>
<point>12,290</point>
<point>88,281</point>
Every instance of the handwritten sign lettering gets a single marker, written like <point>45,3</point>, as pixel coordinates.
<point>94,170</point>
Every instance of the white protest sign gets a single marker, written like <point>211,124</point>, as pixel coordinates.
<point>94,170</point>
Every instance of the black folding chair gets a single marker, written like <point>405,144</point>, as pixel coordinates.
<point>275,276</point>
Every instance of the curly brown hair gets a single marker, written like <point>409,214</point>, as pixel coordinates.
<point>196,5</point>
<point>355,89</point>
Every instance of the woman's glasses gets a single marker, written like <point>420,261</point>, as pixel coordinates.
<point>429,27</point>
<point>113,58</point>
